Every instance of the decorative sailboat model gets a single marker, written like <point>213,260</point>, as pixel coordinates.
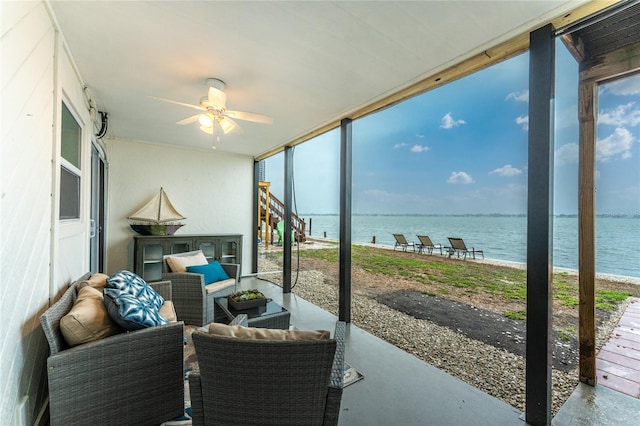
<point>156,216</point>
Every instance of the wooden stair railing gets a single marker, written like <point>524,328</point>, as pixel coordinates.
<point>276,214</point>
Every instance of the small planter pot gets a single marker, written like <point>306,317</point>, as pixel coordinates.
<point>246,304</point>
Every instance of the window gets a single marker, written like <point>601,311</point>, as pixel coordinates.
<point>70,166</point>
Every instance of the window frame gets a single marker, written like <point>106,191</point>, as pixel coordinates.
<point>66,166</point>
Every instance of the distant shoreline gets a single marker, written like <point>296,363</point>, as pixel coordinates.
<point>508,263</point>
<point>560,215</point>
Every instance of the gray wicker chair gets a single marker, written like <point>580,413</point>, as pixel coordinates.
<point>131,378</point>
<point>194,305</point>
<point>261,382</point>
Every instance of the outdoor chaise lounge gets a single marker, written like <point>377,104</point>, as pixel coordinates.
<point>459,247</point>
<point>401,241</point>
<point>426,243</point>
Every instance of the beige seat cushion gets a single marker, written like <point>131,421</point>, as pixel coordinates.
<point>180,263</point>
<point>250,333</point>
<point>219,285</point>
<point>97,281</point>
<point>168,311</point>
<point>88,319</point>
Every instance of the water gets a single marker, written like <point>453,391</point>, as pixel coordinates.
<point>501,237</point>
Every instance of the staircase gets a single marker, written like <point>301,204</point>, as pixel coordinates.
<point>275,214</point>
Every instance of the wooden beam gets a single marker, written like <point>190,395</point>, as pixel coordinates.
<point>613,65</point>
<point>574,45</point>
<point>587,107</point>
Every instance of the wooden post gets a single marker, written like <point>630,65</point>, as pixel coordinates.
<point>587,105</point>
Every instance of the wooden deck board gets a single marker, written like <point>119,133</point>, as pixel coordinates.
<point>618,362</point>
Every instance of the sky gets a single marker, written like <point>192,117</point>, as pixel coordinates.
<point>462,149</point>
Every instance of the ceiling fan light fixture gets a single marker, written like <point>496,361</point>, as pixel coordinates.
<point>205,120</point>
<point>208,130</point>
<point>226,125</point>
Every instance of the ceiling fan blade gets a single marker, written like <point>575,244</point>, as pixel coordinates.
<point>189,120</point>
<point>217,98</point>
<point>171,101</point>
<point>249,116</point>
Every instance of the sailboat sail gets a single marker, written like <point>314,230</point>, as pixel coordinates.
<point>158,210</point>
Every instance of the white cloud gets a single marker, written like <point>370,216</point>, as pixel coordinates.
<point>566,154</point>
<point>419,136</point>
<point>448,122</point>
<point>627,87</point>
<point>523,121</point>
<point>507,170</point>
<point>419,148</point>
<point>400,145</point>
<point>622,115</point>
<point>460,177</point>
<point>618,143</point>
<point>522,96</point>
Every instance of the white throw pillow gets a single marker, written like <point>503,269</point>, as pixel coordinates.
<point>180,263</point>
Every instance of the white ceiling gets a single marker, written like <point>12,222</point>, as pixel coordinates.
<point>303,63</point>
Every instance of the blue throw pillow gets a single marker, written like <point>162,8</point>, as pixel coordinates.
<point>130,312</point>
<point>135,286</point>
<point>212,272</point>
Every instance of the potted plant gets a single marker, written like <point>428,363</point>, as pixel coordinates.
<point>246,299</point>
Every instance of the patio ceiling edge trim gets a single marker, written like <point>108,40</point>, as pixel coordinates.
<point>491,56</point>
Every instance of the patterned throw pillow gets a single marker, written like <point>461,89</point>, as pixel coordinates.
<point>130,312</point>
<point>135,286</point>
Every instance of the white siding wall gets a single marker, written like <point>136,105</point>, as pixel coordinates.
<point>213,190</point>
<point>38,254</point>
<point>31,273</point>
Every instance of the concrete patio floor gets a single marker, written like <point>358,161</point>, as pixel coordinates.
<point>398,388</point>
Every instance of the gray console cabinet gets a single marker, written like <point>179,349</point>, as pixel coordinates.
<point>149,249</point>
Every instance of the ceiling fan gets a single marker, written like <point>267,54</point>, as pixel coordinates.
<point>215,112</point>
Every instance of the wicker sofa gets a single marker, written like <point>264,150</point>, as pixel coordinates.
<point>192,296</point>
<point>134,377</point>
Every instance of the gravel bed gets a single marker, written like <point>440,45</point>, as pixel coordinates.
<point>492,370</point>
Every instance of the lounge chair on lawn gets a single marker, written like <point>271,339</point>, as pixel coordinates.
<point>401,241</point>
<point>458,246</point>
<point>426,243</point>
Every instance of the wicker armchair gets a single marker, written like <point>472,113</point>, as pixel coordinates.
<point>135,377</point>
<point>192,298</point>
<point>266,382</point>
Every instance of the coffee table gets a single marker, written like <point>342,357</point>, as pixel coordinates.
<point>271,315</point>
